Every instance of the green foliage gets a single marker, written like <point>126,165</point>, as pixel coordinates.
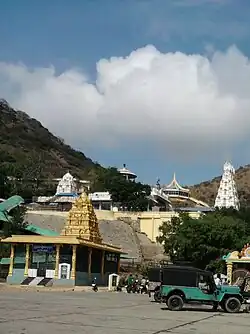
<point>131,195</point>
<point>15,226</point>
<point>5,185</point>
<point>30,152</point>
<point>205,240</point>
<point>17,222</point>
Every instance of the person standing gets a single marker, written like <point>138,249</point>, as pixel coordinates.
<point>217,280</point>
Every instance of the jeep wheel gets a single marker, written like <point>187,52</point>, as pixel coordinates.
<point>232,305</point>
<point>175,303</point>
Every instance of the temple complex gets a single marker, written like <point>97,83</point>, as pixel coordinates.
<point>68,189</point>
<point>175,197</point>
<point>227,196</point>
<point>75,257</point>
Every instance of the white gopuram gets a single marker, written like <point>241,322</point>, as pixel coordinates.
<point>66,185</point>
<point>227,196</point>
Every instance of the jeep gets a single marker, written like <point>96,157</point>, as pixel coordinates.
<point>183,285</point>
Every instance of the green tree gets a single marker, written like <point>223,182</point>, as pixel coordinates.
<point>5,183</point>
<point>202,241</point>
<point>16,224</point>
<point>128,194</point>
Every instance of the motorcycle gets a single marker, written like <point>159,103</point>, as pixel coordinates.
<point>136,287</point>
<point>128,288</point>
<point>144,289</point>
<point>94,286</point>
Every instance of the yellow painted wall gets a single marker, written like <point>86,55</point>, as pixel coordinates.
<point>151,221</point>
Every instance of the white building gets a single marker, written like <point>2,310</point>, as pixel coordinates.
<point>227,196</point>
<point>130,176</point>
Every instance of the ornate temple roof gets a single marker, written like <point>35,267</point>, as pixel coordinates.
<point>174,185</point>
<point>227,196</point>
<point>82,221</point>
<point>66,185</point>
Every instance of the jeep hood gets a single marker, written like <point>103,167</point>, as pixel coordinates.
<point>230,288</point>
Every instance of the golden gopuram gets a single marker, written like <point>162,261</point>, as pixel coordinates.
<point>75,257</point>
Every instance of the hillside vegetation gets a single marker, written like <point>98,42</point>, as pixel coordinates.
<point>30,150</point>
<point>33,157</point>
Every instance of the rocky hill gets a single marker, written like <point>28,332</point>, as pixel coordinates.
<point>30,151</point>
<point>26,146</point>
<point>206,191</point>
<point>117,232</point>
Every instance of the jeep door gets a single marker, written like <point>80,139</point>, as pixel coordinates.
<point>205,288</point>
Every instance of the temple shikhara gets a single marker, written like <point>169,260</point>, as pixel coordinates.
<point>227,196</point>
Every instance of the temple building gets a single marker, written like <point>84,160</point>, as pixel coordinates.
<point>74,257</point>
<point>68,189</point>
<point>173,196</point>
<point>227,196</point>
<point>129,176</point>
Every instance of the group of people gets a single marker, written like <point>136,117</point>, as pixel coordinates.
<point>135,279</point>
<point>220,281</point>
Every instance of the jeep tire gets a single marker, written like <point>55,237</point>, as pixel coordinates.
<point>175,303</point>
<point>232,305</point>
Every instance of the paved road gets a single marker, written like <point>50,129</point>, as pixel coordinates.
<point>31,312</point>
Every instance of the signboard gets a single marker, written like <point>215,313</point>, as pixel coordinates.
<point>43,249</point>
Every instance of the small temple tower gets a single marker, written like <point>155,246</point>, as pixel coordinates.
<point>227,196</point>
<point>82,221</point>
<point>66,185</point>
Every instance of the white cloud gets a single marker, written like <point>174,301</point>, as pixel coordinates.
<point>179,103</point>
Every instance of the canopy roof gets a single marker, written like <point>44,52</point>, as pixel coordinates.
<point>8,205</point>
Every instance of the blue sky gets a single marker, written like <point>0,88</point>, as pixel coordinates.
<point>78,33</point>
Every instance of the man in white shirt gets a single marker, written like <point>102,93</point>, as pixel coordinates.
<point>218,280</point>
